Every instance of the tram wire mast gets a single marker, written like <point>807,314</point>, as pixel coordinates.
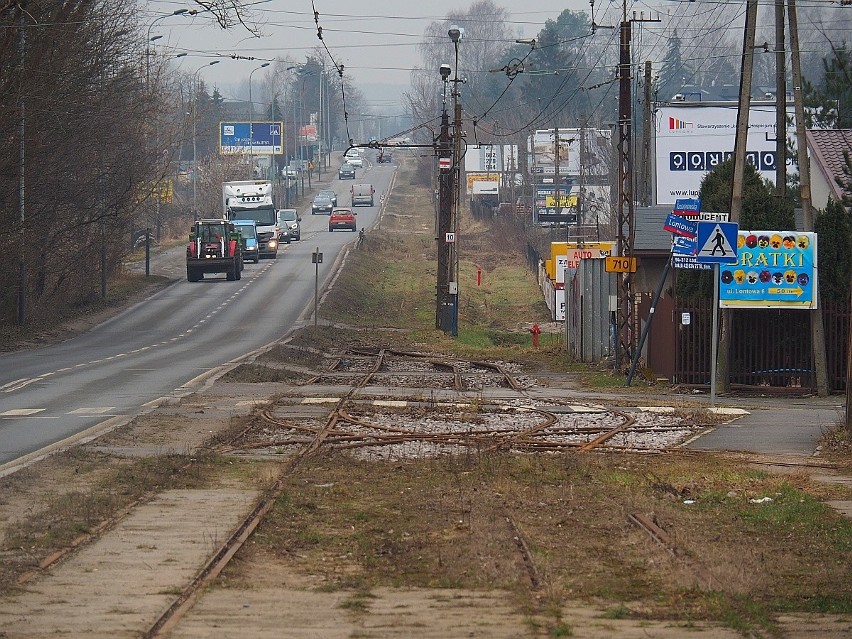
<point>445,203</point>
<point>625,338</point>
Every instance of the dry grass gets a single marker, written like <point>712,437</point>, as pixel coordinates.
<point>443,523</point>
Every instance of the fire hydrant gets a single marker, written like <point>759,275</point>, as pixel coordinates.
<point>536,331</point>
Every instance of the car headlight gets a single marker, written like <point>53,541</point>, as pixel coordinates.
<point>273,243</point>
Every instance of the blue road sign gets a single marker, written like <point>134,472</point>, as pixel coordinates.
<point>688,205</point>
<point>680,226</point>
<point>717,242</point>
<point>251,138</point>
<point>683,245</point>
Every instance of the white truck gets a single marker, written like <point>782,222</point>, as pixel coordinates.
<point>252,200</point>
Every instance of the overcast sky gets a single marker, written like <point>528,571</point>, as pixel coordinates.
<point>376,40</point>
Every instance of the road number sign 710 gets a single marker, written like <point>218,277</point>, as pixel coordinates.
<point>620,264</point>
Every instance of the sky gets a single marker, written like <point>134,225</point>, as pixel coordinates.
<point>376,40</point>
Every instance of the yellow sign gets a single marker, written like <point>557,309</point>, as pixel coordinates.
<point>480,177</point>
<point>620,265</point>
<point>166,190</point>
<point>565,201</point>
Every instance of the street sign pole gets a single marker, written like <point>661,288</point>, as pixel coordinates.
<point>714,343</point>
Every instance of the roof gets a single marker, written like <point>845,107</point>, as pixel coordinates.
<point>649,234</point>
<point>827,147</point>
<point>650,238</point>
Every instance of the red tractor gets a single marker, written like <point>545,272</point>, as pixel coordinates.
<point>214,247</point>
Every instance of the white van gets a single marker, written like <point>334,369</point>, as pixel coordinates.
<point>362,194</point>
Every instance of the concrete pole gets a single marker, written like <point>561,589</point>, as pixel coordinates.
<point>817,329</point>
<point>722,362</point>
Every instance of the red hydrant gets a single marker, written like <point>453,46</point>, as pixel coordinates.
<point>536,331</point>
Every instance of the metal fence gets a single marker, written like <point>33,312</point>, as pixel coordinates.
<point>769,347</point>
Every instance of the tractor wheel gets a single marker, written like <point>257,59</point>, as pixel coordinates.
<point>191,274</point>
<point>231,274</point>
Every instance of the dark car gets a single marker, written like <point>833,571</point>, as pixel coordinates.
<point>341,219</point>
<point>289,222</point>
<point>346,172</point>
<point>321,204</point>
<point>384,156</point>
<point>331,194</point>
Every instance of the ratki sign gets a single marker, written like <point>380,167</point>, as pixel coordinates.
<point>774,269</point>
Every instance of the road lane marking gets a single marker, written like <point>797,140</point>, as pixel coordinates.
<point>21,412</point>
<point>92,410</point>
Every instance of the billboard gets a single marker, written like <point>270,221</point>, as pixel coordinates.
<point>483,158</point>
<point>251,138</point>
<point>774,269</point>
<point>308,134</point>
<point>692,139</point>
<point>597,148</point>
<point>480,177</point>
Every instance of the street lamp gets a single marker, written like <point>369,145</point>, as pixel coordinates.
<point>251,117</point>
<point>194,120</point>
<point>149,40</point>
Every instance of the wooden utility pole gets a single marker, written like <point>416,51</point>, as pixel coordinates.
<point>817,329</point>
<point>646,137</point>
<point>780,105</point>
<point>581,194</point>
<point>723,355</point>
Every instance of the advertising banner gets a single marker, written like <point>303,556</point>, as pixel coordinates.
<point>480,177</point>
<point>692,139</point>
<point>251,138</point>
<point>483,157</point>
<point>774,269</point>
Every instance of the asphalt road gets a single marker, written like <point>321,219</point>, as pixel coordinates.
<point>154,349</point>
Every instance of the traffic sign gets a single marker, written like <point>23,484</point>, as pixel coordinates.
<point>680,226</point>
<point>620,265</point>
<point>717,242</point>
<point>688,206</point>
<point>683,245</point>
<point>251,138</point>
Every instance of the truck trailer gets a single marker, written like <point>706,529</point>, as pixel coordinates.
<point>252,200</point>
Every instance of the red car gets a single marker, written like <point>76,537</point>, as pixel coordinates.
<point>341,219</point>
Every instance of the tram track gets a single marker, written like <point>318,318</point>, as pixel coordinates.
<point>355,424</point>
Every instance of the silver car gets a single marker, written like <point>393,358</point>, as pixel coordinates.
<point>289,219</point>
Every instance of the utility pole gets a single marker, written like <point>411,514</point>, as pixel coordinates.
<point>625,215</point>
<point>22,267</point>
<point>445,203</point>
<point>556,179</point>
<point>817,330</point>
<point>780,105</point>
<point>455,34</point>
<point>456,171</point>
<point>581,195</point>
<point>624,343</point>
<point>646,137</point>
<point>723,355</point>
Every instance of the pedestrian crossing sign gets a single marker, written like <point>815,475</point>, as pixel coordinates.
<point>717,242</point>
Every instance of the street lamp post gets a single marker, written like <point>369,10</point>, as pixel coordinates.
<point>149,40</point>
<point>251,117</point>
<point>284,144</point>
<point>194,120</point>
<point>304,73</point>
